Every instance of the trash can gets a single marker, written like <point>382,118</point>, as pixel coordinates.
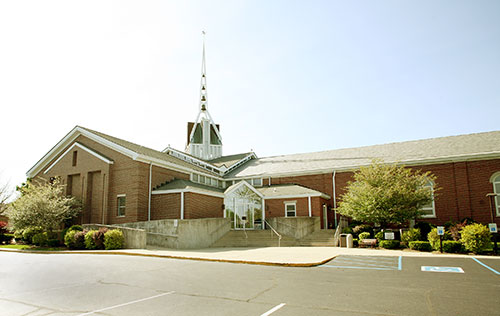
<point>349,241</point>
<point>343,240</point>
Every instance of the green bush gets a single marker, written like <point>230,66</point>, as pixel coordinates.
<point>28,234</point>
<point>364,235</point>
<point>389,244</point>
<point>18,235</point>
<point>76,228</point>
<point>69,239</point>
<point>413,234</point>
<point>355,242</point>
<point>420,245</point>
<point>452,246</point>
<point>53,242</point>
<point>40,239</point>
<point>379,236</point>
<point>434,239</point>
<point>475,237</point>
<point>113,239</point>
<point>7,238</point>
<point>90,240</point>
<point>347,230</point>
<point>99,237</point>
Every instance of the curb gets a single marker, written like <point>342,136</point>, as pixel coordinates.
<point>124,253</point>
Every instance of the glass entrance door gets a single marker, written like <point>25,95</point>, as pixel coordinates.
<point>244,216</point>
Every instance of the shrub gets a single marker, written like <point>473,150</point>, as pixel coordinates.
<point>434,239</point>
<point>425,229</point>
<point>475,237</point>
<point>362,229</point>
<point>18,235</point>
<point>347,230</point>
<point>420,245</point>
<point>90,240</point>
<point>7,238</point>
<point>389,244</point>
<point>452,246</point>
<point>53,242</point>
<point>3,227</point>
<point>28,234</point>
<point>79,239</point>
<point>413,234</point>
<point>76,228</point>
<point>69,239</point>
<point>364,235</point>
<point>113,239</point>
<point>99,237</point>
<point>379,236</point>
<point>40,239</point>
<point>355,242</point>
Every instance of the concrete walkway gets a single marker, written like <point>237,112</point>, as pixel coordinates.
<point>280,256</point>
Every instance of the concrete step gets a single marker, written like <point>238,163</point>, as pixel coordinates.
<point>319,238</point>
<point>253,238</point>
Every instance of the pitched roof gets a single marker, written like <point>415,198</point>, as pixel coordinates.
<point>179,184</point>
<point>427,151</point>
<point>228,161</point>
<point>289,190</point>
<point>147,151</point>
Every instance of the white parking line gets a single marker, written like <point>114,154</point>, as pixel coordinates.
<point>272,310</point>
<point>125,304</point>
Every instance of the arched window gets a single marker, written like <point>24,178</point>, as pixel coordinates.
<point>496,189</point>
<point>429,209</point>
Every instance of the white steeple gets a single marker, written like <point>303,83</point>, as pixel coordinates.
<point>204,140</point>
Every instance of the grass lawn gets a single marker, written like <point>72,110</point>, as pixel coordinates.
<point>31,247</point>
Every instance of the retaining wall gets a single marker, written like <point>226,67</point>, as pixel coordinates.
<point>296,227</point>
<point>133,238</point>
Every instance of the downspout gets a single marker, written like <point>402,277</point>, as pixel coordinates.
<point>309,203</point>
<point>334,198</point>
<point>182,204</point>
<point>149,195</point>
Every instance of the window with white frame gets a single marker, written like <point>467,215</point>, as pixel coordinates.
<point>496,189</point>
<point>291,209</point>
<point>122,201</point>
<point>429,209</point>
<point>257,182</point>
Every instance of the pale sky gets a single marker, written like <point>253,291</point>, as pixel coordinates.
<point>283,76</point>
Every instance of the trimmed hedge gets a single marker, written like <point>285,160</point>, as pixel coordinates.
<point>90,240</point>
<point>28,234</point>
<point>389,244</point>
<point>113,239</point>
<point>452,246</point>
<point>40,239</point>
<point>420,245</point>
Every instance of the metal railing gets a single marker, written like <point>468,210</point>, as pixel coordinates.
<point>274,231</point>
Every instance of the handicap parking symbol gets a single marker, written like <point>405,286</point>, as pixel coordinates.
<point>442,269</point>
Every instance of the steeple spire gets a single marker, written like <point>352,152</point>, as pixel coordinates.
<point>204,140</point>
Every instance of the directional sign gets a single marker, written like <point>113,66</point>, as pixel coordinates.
<point>442,269</point>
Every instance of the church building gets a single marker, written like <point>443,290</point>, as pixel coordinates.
<point>122,182</point>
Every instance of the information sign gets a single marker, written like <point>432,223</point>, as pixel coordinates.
<point>440,230</point>
<point>493,227</point>
<point>389,236</point>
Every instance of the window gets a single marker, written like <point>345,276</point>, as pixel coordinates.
<point>429,209</point>
<point>195,177</point>
<point>202,179</point>
<point>257,182</point>
<point>122,200</point>
<point>290,209</point>
<point>496,189</point>
<point>75,156</point>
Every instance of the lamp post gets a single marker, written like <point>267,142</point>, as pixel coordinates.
<point>491,197</point>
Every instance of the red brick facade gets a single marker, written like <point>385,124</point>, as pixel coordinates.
<point>90,177</point>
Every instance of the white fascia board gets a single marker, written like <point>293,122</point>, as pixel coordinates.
<point>77,144</point>
<point>70,137</point>
<point>239,184</point>
<point>165,164</point>
<point>242,160</point>
<point>322,195</point>
<point>193,158</point>
<point>189,190</point>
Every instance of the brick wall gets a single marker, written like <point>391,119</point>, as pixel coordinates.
<point>166,206</point>
<point>202,206</point>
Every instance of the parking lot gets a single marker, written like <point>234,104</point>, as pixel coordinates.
<point>34,284</point>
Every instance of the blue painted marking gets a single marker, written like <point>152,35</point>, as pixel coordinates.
<point>400,263</point>
<point>487,267</point>
<point>442,269</point>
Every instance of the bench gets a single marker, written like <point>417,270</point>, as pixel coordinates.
<point>367,242</point>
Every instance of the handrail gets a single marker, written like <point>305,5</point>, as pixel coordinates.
<point>274,231</point>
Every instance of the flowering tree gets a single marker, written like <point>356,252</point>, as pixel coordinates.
<point>386,194</point>
<point>42,205</point>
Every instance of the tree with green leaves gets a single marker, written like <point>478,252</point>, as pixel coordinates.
<point>386,194</point>
<point>42,205</point>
